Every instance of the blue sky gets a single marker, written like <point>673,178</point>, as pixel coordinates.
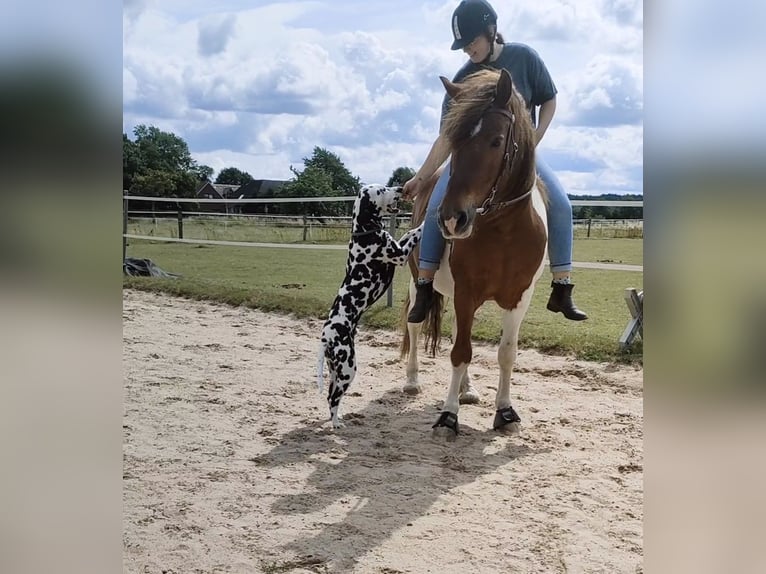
<point>256,85</point>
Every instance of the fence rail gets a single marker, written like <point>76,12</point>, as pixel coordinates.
<point>240,201</point>
<point>574,202</point>
<point>307,221</point>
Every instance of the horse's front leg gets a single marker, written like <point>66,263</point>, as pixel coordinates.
<point>468,393</point>
<point>506,419</point>
<point>447,424</point>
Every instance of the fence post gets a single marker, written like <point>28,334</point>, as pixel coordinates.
<point>180,222</point>
<point>124,228</point>
<point>589,222</point>
<point>305,227</point>
<point>392,231</point>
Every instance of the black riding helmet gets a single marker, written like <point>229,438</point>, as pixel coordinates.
<point>471,19</point>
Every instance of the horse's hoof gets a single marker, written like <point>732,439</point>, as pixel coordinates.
<point>446,427</point>
<point>469,397</point>
<point>412,389</point>
<point>507,420</point>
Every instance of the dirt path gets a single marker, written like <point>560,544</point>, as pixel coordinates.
<point>229,464</point>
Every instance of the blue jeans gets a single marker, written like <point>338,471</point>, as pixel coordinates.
<point>559,222</point>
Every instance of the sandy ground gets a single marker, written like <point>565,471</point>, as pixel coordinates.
<point>230,464</point>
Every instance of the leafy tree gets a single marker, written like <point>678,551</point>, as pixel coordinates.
<point>324,175</point>
<point>311,182</point>
<point>156,183</point>
<point>162,151</point>
<point>400,176</point>
<point>204,172</point>
<point>603,212</point>
<point>233,176</point>
<point>159,164</point>
<point>343,183</point>
<point>131,162</point>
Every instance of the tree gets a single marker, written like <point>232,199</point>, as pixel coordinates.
<point>162,151</point>
<point>204,172</point>
<point>131,162</point>
<point>324,175</point>
<point>311,182</point>
<point>343,183</point>
<point>159,164</point>
<point>233,176</point>
<point>400,176</point>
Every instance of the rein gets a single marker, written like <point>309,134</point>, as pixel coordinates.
<point>508,158</point>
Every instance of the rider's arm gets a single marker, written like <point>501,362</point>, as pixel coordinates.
<point>439,153</point>
<point>547,109</point>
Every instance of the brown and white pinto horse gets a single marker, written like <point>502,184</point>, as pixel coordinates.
<point>493,213</point>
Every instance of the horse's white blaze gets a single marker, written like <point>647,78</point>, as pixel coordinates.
<point>476,129</point>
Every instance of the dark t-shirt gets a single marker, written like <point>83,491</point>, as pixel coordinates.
<point>528,72</point>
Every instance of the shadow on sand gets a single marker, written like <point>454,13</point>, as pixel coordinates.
<point>388,471</point>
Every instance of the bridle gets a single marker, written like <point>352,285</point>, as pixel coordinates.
<point>511,148</point>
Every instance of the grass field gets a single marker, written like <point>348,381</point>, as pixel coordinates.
<point>304,283</point>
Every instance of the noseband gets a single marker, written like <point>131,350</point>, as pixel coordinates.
<point>508,157</point>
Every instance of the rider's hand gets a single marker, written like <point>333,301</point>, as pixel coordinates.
<point>411,189</point>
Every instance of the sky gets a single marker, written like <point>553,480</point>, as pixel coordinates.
<point>257,85</point>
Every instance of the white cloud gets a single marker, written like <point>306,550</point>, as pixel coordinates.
<point>129,87</point>
<point>258,87</point>
<point>625,12</point>
<point>608,91</point>
<point>615,154</point>
<point>215,33</point>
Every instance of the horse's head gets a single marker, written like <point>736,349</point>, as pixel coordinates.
<point>492,143</point>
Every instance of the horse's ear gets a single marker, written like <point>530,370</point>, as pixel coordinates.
<point>504,89</point>
<point>452,89</point>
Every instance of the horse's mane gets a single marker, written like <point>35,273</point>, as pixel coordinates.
<point>477,93</point>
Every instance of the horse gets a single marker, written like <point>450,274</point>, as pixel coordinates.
<point>493,216</point>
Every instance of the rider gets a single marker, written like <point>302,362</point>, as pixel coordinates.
<point>474,28</point>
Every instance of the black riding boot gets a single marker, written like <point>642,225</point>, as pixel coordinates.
<point>560,301</point>
<point>423,300</point>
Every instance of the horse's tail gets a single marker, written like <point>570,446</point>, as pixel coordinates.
<point>432,326</point>
<point>320,366</point>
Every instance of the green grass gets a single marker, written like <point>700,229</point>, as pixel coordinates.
<point>304,283</point>
<point>627,251</point>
